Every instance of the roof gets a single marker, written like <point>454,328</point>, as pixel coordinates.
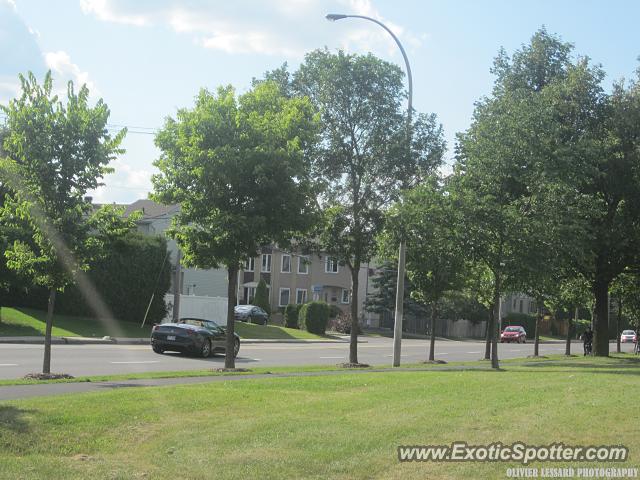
<point>151,209</point>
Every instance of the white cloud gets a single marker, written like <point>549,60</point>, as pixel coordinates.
<point>9,88</point>
<point>125,185</point>
<point>277,27</point>
<point>105,10</point>
<point>64,70</point>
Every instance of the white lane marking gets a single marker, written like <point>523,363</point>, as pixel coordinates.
<point>141,361</point>
<point>8,364</point>
<point>471,352</point>
<point>332,357</point>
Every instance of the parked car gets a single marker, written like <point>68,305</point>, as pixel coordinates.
<point>251,313</point>
<point>192,335</point>
<point>514,334</point>
<point>628,336</point>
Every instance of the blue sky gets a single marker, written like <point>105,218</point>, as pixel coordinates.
<point>147,58</point>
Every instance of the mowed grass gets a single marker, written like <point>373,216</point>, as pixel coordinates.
<point>275,332</point>
<point>28,322</point>
<point>18,322</point>
<point>341,426</point>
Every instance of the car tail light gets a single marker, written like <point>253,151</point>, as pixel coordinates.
<point>190,332</point>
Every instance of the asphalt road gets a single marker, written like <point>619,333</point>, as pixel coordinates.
<point>16,360</point>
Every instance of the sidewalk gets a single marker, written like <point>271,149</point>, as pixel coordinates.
<point>145,341</point>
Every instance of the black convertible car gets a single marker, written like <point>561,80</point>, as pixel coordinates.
<point>192,335</point>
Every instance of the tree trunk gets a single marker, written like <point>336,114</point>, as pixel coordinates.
<point>353,343</point>
<point>177,288</point>
<point>601,327</point>
<point>229,357</point>
<point>567,347</point>
<point>432,342</point>
<point>487,345</point>
<point>494,328</point>
<point>619,316</point>
<point>46,364</point>
<point>536,341</point>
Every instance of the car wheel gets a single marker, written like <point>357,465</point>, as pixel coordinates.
<point>157,349</point>
<point>205,350</point>
<point>236,348</point>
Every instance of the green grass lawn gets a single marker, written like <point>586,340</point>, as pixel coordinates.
<point>28,322</point>
<point>343,426</point>
<point>250,330</point>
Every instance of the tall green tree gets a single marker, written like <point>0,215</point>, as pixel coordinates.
<point>236,166</point>
<point>495,178</point>
<point>55,152</point>
<point>382,296</point>
<point>362,158</point>
<point>435,263</point>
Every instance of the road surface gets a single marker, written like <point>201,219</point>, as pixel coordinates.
<point>16,360</point>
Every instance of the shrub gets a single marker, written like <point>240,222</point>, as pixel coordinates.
<point>342,323</point>
<point>314,317</point>
<point>291,312</point>
<point>261,298</point>
<point>334,311</point>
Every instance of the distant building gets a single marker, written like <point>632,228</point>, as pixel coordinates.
<point>296,278</point>
<point>290,277</point>
<point>156,219</point>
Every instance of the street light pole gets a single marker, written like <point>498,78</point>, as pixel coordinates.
<point>397,327</point>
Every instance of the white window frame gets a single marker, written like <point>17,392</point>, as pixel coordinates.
<point>282,270</point>
<point>249,297</point>
<point>250,265</point>
<point>303,261</point>
<point>282,289</point>
<point>345,290</point>
<point>264,268</point>
<point>334,263</point>
<point>304,296</point>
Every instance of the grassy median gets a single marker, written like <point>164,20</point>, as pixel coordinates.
<point>341,426</point>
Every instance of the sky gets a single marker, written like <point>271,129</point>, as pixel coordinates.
<point>147,58</point>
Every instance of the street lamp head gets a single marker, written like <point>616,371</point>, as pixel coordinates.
<point>332,17</point>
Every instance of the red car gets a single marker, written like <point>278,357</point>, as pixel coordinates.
<point>628,336</point>
<point>513,334</point>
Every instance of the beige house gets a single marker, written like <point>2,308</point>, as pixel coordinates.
<point>296,278</point>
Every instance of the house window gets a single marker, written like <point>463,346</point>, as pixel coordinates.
<point>249,294</point>
<point>284,297</point>
<point>301,296</point>
<point>331,265</point>
<point>521,306</point>
<point>514,304</point>
<point>286,263</point>
<point>266,262</point>
<point>249,265</point>
<point>303,265</point>
<point>345,296</point>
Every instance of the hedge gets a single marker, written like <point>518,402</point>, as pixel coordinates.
<point>314,317</point>
<point>125,280</point>
<point>291,312</point>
